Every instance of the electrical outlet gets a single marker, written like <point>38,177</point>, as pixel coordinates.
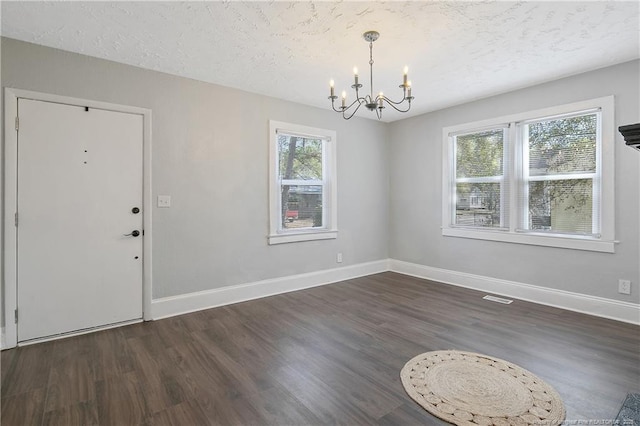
<point>624,286</point>
<point>339,258</point>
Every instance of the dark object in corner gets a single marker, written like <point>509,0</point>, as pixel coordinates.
<point>631,134</point>
<point>629,414</point>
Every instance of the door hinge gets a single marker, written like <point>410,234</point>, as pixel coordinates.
<point>16,219</point>
<point>16,313</point>
<point>17,123</point>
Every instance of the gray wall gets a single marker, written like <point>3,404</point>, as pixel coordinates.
<point>210,153</point>
<point>415,150</point>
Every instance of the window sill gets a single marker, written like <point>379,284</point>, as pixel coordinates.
<point>568,242</point>
<point>311,235</point>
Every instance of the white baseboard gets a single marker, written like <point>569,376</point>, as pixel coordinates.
<point>191,302</point>
<point>592,305</point>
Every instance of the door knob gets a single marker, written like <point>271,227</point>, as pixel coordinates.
<point>134,233</point>
<point>135,210</point>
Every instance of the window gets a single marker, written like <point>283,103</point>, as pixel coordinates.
<point>480,179</point>
<point>302,183</point>
<point>559,174</point>
<point>543,177</point>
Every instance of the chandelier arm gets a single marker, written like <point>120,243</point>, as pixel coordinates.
<point>394,102</point>
<point>359,101</point>
<point>391,104</point>
<point>334,108</point>
<point>346,108</point>
<point>354,111</point>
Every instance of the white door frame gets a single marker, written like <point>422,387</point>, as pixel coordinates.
<point>10,199</point>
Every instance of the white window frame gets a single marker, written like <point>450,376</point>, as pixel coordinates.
<point>604,241</point>
<point>329,230</point>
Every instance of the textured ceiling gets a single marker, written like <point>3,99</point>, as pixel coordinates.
<point>456,51</point>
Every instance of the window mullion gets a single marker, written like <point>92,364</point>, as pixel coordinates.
<point>451,179</point>
<point>596,212</point>
<point>326,188</point>
<point>573,176</point>
<point>510,172</point>
<point>483,179</point>
<point>302,182</point>
<point>522,181</point>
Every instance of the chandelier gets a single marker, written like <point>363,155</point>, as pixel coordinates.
<point>378,103</point>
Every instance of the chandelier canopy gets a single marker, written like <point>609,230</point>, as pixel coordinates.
<point>378,103</point>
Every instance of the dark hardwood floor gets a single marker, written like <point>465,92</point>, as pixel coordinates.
<point>327,355</point>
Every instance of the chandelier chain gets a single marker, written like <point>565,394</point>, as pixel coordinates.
<point>371,68</point>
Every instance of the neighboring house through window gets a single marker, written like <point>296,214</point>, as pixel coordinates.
<point>302,183</point>
<point>543,177</point>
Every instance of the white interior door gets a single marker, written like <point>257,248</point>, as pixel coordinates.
<point>79,182</point>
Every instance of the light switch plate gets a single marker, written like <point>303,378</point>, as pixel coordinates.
<point>164,201</point>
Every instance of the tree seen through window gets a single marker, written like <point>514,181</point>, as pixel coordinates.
<point>301,173</point>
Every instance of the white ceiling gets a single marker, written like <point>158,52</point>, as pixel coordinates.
<point>456,51</point>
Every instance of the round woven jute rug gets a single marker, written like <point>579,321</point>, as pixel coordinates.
<point>466,388</point>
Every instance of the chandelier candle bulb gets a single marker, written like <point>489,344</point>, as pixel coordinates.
<point>409,90</point>
<point>331,83</point>
<point>355,74</point>
<point>404,80</point>
<point>344,99</point>
<point>380,99</point>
